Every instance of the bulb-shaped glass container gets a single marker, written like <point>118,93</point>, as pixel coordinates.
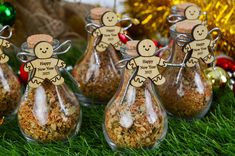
<point>96,73</point>
<point>134,117</point>
<point>49,112</point>
<point>187,93</point>
<point>10,87</point>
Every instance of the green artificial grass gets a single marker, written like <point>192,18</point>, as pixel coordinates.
<point>212,135</point>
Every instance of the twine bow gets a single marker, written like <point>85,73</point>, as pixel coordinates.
<point>61,49</point>
<point>7,27</point>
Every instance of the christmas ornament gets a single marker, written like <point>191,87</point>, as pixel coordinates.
<point>226,63</point>
<point>157,44</point>
<point>218,76</point>
<point>229,65</point>
<point>152,15</point>
<point>232,80</point>
<point>23,74</point>
<point>7,14</point>
<point>123,38</point>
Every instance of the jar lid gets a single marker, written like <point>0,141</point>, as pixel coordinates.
<point>96,13</point>
<point>131,48</point>
<point>34,39</point>
<point>186,26</point>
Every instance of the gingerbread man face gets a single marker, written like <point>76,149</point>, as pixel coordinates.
<point>109,19</point>
<point>200,32</point>
<point>43,50</point>
<point>192,12</point>
<point>146,47</point>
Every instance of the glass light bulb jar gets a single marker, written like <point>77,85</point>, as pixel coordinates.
<point>49,112</point>
<point>10,87</point>
<point>95,72</point>
<point>187,93</point>
<point>134,117</point>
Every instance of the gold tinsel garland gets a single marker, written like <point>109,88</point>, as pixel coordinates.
<point>152,15</point>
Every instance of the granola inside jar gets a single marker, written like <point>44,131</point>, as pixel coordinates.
<point>10,91</point>
<point>95,72</point>
<point>134,118</point>
<point>10,87</point>
<point>48,112</point>
<point>187,92</point>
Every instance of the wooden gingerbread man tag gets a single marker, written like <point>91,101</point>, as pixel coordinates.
<point>44,66</point>
<point>191,13</point>
<point>108,32</point>
<point>4,44</point>
<point>147,64</point>
<point>199,46</point>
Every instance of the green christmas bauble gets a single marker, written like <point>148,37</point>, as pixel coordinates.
<point>7,14</point>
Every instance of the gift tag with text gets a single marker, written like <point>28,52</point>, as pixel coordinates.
<point>4,44</point>
<point>108,32</point>
<point>146,64</point>
<point>200,46</point>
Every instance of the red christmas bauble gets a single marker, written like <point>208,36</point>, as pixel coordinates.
<point>123,38</point>
<point>23,74</point>
<point>226,63</point>
<point>156,43</point>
